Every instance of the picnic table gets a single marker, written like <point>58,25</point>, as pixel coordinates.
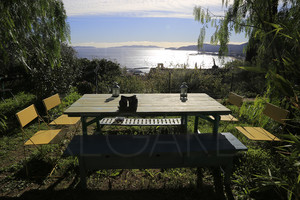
<point>100,106</point>
<point>153,151</point>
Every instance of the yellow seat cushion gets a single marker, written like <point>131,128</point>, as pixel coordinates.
<point>257,133</point>
<point>65,120</point>
<point>43,137</point>
<point>226,118</point>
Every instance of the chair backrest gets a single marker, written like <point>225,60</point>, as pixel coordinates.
<point>27,115</point>
<point>276,113</point>
<point>235,99</point>
<point>51,102</point>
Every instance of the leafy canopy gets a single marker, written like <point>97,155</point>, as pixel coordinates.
<point>274,38</point>
<point>32,29</point>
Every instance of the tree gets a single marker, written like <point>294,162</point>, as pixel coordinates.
<point>273,49</point>
<point>32,30</point>
<point>100,73</point>
<point>274,45</point>
<point>47,80</point>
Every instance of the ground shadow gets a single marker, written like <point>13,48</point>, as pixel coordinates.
<point>206,192</point>
<point>36,169</point>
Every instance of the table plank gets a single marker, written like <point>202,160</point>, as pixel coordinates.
<point>197,103</point>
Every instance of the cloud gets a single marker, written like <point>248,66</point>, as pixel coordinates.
<point>139,8</point>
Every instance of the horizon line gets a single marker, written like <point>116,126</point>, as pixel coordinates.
<point>142,44</point>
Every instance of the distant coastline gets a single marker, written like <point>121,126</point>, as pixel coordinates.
<point>140,59</point>
<point>234,50</point>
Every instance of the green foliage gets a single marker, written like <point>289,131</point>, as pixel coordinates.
<point>85,87</point>
<point>133,84</point>
<point>98,73</point>
<point>69,99</point>
<point>3,125</point>
<point>10,107</point>
<point>290,154</point>
<point>253,112</point>
<point>48,80</point>
<point>32,30</point>
<point>216,83</point>
<point>273,47</point>
<point>251,166</point>
<point>283,180</point>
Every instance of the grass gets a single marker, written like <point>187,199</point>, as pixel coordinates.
<point>174,183</point>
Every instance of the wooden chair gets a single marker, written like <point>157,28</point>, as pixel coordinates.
<point>233,99</point>
<point>41,137</point>
<point>52,102</point>
<point>259,133</point>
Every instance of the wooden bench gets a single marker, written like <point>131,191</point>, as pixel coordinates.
<point>259,133</point>
<point>96,152</point>
<point>141,121</point>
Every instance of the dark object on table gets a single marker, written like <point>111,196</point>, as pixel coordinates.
<point>119,120</point>
<point>128,104</point>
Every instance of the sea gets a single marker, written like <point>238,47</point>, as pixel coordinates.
<point>141,60</point>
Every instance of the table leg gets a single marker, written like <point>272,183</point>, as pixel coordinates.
<point>218,182</point>
<point>184,119</point>
<point>196,124</point>
<point>228,172</point>
<point>199,178</point>
<point>98,124</point>
<point>82,173</point>
<point>84,125</point>
<point>216,124</point>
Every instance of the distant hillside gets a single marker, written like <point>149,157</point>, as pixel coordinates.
<point>91,52</point>
<point>232,48</point>
<point>138,46</point>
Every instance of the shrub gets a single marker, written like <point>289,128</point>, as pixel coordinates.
<point>69,99</point>
<point>11,106</point>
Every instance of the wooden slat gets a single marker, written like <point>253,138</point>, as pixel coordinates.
<point>235,99</point>
<point>51,102</point>
<point>151,121</point>
<point>142,122</point>
<point>169,104</point>
<point>257,133</point>
<point>226,118</point>
<point>43,137</point>
<point>103,121</point>
<point>65,120</point>
<point>164,121</point>
<point>276,113</point>
<point>26,115</point>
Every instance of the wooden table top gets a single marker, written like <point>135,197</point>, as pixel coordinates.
<point>148,104</point>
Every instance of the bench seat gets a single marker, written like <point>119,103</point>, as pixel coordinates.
<point>154,151</point>
<point>141,122</point>
<point>257,133</point>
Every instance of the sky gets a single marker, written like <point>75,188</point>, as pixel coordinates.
<point>163,23</point>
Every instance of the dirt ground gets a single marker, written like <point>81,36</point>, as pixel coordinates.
<point>104,184</point>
